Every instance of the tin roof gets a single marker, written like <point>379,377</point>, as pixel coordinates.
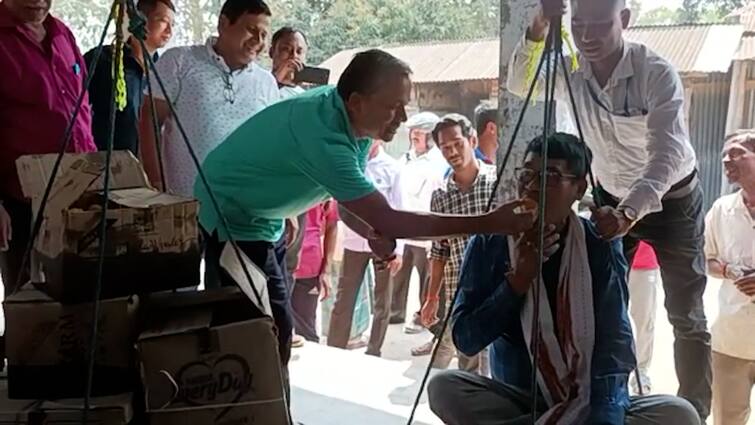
<point>692,48</point>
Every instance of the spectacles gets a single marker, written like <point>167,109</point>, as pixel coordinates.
<point>228,92</point>
<point>552,177</point>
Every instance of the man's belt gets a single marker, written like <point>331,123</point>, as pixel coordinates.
<point>683,188</point>
<point>679,190</point>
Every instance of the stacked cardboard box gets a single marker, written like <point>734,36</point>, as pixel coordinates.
<point>152,239</point>
<point>205,357</point>
<point>211,359</point>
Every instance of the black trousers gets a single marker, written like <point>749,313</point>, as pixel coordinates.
<point>677,236</point>
<point>10,260</point>
<point>270,258</point>
<point>304,299</point>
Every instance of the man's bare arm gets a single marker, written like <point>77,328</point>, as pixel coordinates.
<point>723,270</point>
<point>436,277</point>
<point>372,214</point>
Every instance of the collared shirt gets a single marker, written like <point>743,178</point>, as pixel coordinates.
<point>383,171</point>
<point>39,87</point>
<point>273,167</point>
<point>211,101</point>
<point>420,176</point>
<point>450,199</point>
<point>730,238</point>
<point>126,136</point>
<point>290,91</point>
<point>478,155</point>
<point>318,218</point>
<point>488,311</point>
<point>635,125</point>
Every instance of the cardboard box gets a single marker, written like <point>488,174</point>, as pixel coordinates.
<point>209,358</point>
<point>152,237</point>
<point>115,410</point>
<point>47,345</point>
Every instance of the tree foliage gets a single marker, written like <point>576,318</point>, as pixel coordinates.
<point>691,11</point>
<point>330,25</point>
<point>334,25</point>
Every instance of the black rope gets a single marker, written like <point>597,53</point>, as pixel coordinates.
<point>117,62</point>
<point>552,43</point>
<point>64,143</point>
<point>596,196</point>
<point>491,200</point>
<point>215,204</point>
<point>155,122</point>
<point>213,200</point>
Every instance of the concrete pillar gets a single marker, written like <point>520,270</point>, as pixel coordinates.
<point>515,17</point>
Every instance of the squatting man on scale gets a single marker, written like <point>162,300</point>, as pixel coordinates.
<point>631,105</point>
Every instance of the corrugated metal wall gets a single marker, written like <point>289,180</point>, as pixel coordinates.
<point>748,118</point>
<point>707,122</point>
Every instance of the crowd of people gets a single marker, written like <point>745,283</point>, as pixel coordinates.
<point>287,162</point>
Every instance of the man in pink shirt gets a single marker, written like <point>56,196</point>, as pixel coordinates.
<point>42,73</point>
<point>318,246</point>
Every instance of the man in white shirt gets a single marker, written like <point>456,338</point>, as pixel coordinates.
<point>382,170</point>
<point>215,87</point>
<point>730,251</point>
<point>631,105</point>
<point>422,168</point>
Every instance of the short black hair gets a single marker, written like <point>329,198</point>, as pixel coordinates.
<point>367,70</point>
<point>453,120</point>
<point>483,115</point>
<point>234,9</point>
<point>564,146</point>
<point>149,6</point>
<point>286,31</point>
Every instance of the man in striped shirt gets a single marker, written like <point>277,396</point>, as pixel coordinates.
<point>466,192</point>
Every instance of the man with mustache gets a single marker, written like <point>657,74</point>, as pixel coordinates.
<point>465,191</point>
<point>585,352</point>
<point>215,87</point>
<point>730,251</point>
<point>160,17</point>
<point>631,105</point>
<point>258,182</point>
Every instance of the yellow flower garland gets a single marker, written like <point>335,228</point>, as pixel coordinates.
<point>537,52</point>
<point>119,74</point>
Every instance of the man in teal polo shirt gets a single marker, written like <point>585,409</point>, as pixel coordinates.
<point>313,147</point>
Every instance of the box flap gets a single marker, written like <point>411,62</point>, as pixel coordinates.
<point>56,411</point>
<point>34,171</point>
<point>119,402</point>
<point>198,318</point>
<point>144,197</point>
<point>258,286</point>
<point>27,294</point>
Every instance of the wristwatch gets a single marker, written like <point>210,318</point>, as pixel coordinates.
<point>630,213</point>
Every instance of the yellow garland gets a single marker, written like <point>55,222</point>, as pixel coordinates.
<point>536,52</point>
<point>119,74</point>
